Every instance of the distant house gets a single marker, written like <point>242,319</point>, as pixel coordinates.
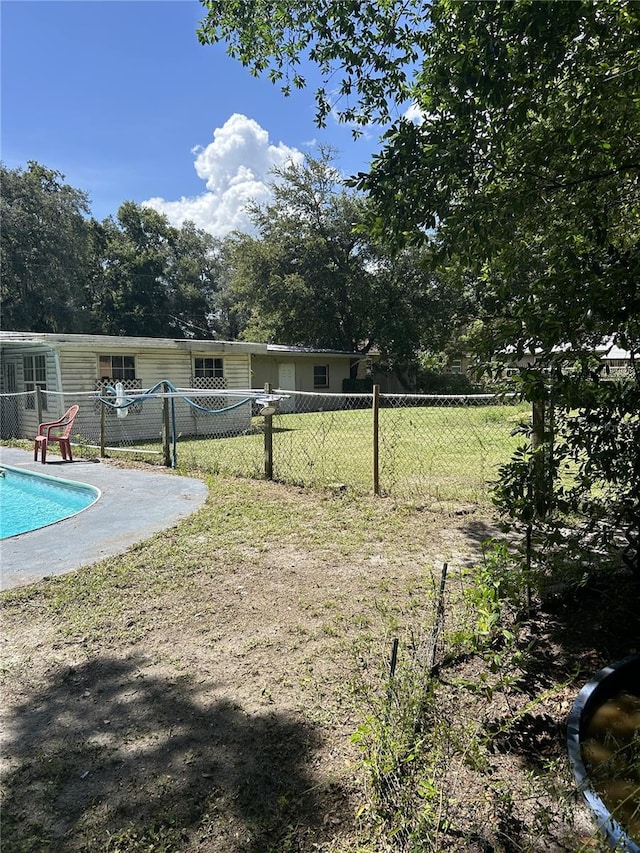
<point>81,365</point>
<point>617,362</point>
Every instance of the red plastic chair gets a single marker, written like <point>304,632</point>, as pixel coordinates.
<point>59,431</point>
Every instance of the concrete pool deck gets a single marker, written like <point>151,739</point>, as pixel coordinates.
<point>133,505</point>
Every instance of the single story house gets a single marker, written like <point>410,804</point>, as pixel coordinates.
<point>617,362</point>
<point>75,368</point>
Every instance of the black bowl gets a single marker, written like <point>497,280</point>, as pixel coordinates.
<point>606,684</point>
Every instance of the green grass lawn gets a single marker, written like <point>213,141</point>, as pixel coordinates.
<point>430,453</point>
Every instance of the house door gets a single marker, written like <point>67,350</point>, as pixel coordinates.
<point>287,380</point>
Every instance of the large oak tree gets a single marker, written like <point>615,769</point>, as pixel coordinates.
<point>315,276</point>
<point>44,249</point>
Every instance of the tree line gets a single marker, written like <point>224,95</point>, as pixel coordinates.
<point>66,272</point>
<point>313,273</point>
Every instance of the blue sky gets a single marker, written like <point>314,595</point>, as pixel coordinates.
<point>120,97</point>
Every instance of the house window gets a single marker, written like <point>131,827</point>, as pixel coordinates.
<point>208,368</point>
<point>456,367</point>
<point>208,373</point>
<point>320,375</point>
<point>35,376</point>
<point>117,367</point>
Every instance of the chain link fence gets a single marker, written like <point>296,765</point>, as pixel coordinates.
<point>420,448</point>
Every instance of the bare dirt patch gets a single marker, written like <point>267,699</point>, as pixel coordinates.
<point>200,692</point>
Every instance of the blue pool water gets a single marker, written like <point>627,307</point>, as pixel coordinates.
<point>29,501</point>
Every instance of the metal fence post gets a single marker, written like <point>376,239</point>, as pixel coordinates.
<point>537,488</point>
<point>103,430</point>
<point>376,440</point>
<point>39,403</point>
<point>166,443</point>
<point>268,440</point>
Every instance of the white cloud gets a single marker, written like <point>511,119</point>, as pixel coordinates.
<point>415,115</point>
<point>236,170</point>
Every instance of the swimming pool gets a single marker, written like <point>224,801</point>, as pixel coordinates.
<point>29,501</point>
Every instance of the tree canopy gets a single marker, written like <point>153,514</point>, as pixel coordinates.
<point>154,279</point>
<point>527,165</point>
<point>525,161</point>
<point>43,248</point>
<point>366,51</point>
<point>315,276</point>
<point>65,272</point>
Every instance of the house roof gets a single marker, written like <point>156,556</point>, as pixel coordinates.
<point>121,342</point>
<point>118,342</point>
<point>280,348</point>
<point>614,352</point>
<point>606,350</point>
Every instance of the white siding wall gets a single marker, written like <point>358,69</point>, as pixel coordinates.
<point>79,370</point>
<point>26,419</point>
<point>227,418</point>
<point>237,370</point>
<point>152,367</point>
<point>169,360</point>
